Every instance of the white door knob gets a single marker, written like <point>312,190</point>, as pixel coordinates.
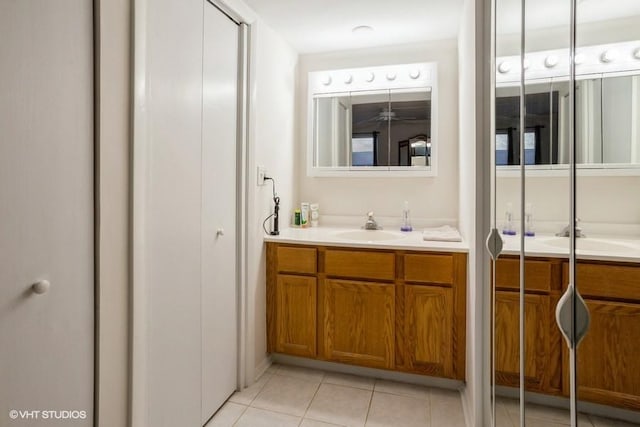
<point>41,287</point>
<point>220,232</point>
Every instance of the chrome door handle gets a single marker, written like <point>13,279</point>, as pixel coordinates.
<point>494,244</point>
<point>220,232</point>
<point>564,314</point>
<point>41,287</point>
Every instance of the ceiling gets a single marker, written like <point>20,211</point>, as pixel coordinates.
<point>555,13</point>
<point>312,26</point>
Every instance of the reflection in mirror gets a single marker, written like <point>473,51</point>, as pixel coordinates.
<point>369,129</point>
<point>541,133</point>
<point>332,120</point>
<point>410,128</point>
<point>607,122</point>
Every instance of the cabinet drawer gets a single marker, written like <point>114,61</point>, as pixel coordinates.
<point>360,264</point>
<point>428,268</point>
<point>539,275</point>
<point>297,260</point>
<point>606,281</point>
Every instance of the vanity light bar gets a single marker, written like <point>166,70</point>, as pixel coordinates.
<point>372,78</point>
<point>616,57</point>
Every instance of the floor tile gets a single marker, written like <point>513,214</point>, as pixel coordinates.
<point>365,383</point>
<point>398,411</point>
<point>502,416</point>
<point>247,395</point>
<point>402,389</point>
<point>446,408</point>
<point>346,406</point>
<point>306,374</point>
<point>254,417</point>
<point>533,411</point>
<point>227,415</point>
<point>286,394</point>
<point>272,369</point>
<point>607,422</point>
<point>313,423</point>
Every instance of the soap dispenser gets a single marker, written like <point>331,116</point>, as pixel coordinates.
<point>406,218</point>
<point>509,229</point>
<point>528,221</point>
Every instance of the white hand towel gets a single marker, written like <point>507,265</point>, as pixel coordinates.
<point>445,233</point>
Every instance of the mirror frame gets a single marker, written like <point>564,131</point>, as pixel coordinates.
<point>418,76</point>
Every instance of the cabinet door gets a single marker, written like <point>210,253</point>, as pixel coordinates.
<point>507,342</point>
<point>296,315</point>
<point>428,328</point>
<point>608,357</point>
<point>359,322</point>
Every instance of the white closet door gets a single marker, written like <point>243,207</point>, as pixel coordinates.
<point>46,211</point>
<point>219,276</point>
<point>173,212</point>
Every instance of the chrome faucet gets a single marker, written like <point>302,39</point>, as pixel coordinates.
<point>566,232</point>
<point>371,223</point>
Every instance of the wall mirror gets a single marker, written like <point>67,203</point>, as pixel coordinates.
<point>607,121</point>
<point>375,129</point>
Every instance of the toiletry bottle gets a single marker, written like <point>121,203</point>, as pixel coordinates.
<point>509,229</point>
<point>297,221</point>
<point>304,214</point>
<point>528,218</point>
<point>406,218</point>
<point>314,209</point>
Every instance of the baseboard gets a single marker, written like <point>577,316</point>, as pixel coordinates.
<point>368,372</point>
<point>262,368</point>
<point>466,410</point>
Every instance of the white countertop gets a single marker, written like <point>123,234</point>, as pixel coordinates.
<point>594,247</point>
<point>331,236</point>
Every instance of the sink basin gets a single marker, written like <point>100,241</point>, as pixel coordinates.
<point>587,244</point>
<point>369,235</point>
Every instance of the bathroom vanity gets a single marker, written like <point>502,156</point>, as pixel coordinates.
<point>380,305</point>
<point>608,362</point>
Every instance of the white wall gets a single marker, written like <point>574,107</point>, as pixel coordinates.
<point>433,198</point>
<point>272,134</point>
<point>612,31</point>
<point>600,200</point>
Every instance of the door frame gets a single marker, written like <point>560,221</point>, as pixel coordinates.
<point>138,309</point>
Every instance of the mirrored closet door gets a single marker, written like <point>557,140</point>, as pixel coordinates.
<point>565,201</point>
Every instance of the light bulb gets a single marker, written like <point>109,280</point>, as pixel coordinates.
<point>579,58</point>
<point>414,74</point>
<point>391,76</point>
<point>348,78</point>
<point>504,67</point>
<point>609,56</point>
<point>326,80</point>
<point>370,77</point>
<point>636,53</point>
<point>551,61</point>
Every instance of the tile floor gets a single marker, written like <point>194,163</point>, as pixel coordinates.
<point>292,396</point>
<point>298,397</point>
<point>508,412</point>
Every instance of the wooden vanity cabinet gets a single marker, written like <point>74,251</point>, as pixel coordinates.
<point>292,296</point>
<point>359,322</point>
<point>397,310</point>
<point>608,358</point>
<point>542,337</point>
